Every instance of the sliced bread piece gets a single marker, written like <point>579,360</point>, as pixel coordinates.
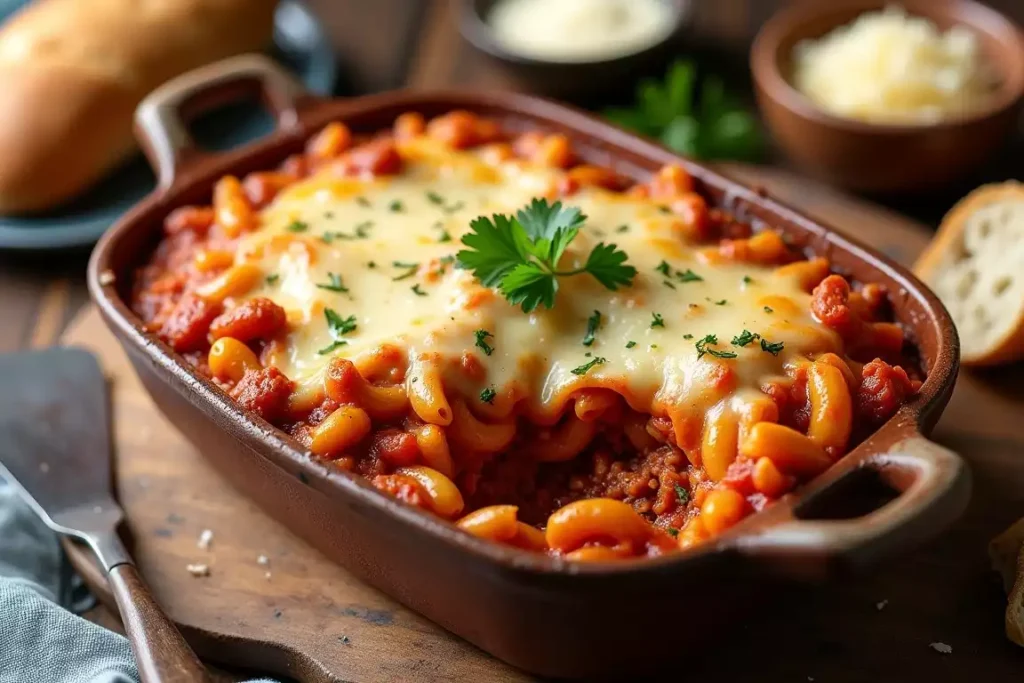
<point>976,266</point>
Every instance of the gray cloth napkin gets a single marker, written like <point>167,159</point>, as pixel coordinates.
<point>40,640</point>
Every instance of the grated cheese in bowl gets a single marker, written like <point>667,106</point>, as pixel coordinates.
<point>889,67</point>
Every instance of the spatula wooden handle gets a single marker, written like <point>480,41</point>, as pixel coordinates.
<point>161,652</point>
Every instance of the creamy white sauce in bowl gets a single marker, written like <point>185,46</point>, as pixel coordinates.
<point>578,31</point>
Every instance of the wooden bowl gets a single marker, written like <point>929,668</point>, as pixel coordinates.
<point>589,81</point>
<point>540,613</point>
<point>885,158</point>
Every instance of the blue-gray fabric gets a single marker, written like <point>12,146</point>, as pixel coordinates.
<point>41,641</point>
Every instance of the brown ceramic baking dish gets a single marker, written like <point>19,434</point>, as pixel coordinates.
<point>547,616</point>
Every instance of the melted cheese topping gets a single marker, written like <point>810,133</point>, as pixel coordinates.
<point>391,241</point>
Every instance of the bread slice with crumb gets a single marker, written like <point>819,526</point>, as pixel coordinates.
<point>976,266</point>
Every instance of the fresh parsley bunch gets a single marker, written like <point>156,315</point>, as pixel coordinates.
<point>519,255</point>
<point>712,126</point>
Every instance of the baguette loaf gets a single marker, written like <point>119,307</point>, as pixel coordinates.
<point>73,71</point>
<point>976,266</point>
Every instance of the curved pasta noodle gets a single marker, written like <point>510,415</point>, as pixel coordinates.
<point>445,497</point>
<point>593,404</point>
<point>719,445</point>
<point>344,384</point>
<point>427,397</point>
<point>565,441</point>
<point>229,359</point>
<point>831,418</point>
<point>471,434</point>
<point>340,431</point>
<point>433,445</point>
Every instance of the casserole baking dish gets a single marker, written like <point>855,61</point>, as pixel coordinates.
<point>538,612</point>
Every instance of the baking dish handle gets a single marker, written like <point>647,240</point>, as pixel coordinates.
<point>932,485</point>
<point>160,119</point>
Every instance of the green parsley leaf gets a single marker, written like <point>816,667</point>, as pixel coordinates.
<point>672,531</point>
<point>435,198</point>
<point>630,344</point>
<point>583,369</point>
<point>297,226</point>
<point>488,394</point>
<point>744,338</point>
<point>657,320</point>
<point>720,302</point>
<point>622,228</point>
<point>519,255</point>
<point>687,336</point>
<point>444,237</point>
<point>772,348</point>
<point>411,269</point>
<point>768,309</point>
<point>668,284</point>
<point>691,117</point>
<point>336,344</point>
<point>363,202</point>
<point>417,290</point>
<point>688,276</point>
<point>682,495</point>
<point>396,206</point>
<point>337,325</point>
<point>664,268</point>
<point>272,278</point>
<point>334,285</point>
<point>371,264</point>
<point>592,324</point>
<point>747,279</point>
<point>711,339</point>
<point>481,341</point>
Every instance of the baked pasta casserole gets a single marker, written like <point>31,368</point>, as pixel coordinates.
<point>542,351</point>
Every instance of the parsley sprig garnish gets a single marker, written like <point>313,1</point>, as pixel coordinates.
<point>593,322</point>
<point>488,394</point>
<point>334,283</point>
<point>772,347</point>
<point>481,341</point>
<point>519,255</point>
<point>338,327</point>
<point>702,348</point>
<point>745,337</point>
<point>585,368</point>
<point>657,320</point>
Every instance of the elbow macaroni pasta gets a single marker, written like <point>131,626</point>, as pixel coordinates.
<point>323,297</point>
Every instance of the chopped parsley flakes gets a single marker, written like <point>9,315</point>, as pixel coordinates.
<point>334,285</point>
<point>364,202</point>
<point>630,344</point>
<point>711,339</point>
<point>297,226</point>
<point>688,276</point>
<point>770,347</point>
<point>747,279</point>
<point>682,495</point>
<point>593,322</point>
<point>657,320</point>
<point>411,269</point>
<point>417,290</point>
<point>481,341</point>
<point>272,278</point>
<point>396,206</point>
<point>488,394</point>
<point>585,368</point>
<point>768,309</point>
<point>622,228</point>
<point>338,327</point>
<point>744,338</point>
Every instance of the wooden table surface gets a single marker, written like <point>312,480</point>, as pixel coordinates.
<point>384,44</point>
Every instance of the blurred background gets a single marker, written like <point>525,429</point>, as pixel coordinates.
<point>353,47</point>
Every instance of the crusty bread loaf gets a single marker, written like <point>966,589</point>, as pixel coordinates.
<point>72,72</point>
<point>976,266</point>
<point>1006,551</point>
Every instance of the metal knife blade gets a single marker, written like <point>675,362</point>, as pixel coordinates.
<point>55,441</point>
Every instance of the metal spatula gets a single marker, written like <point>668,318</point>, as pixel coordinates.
<point>55,448</point>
